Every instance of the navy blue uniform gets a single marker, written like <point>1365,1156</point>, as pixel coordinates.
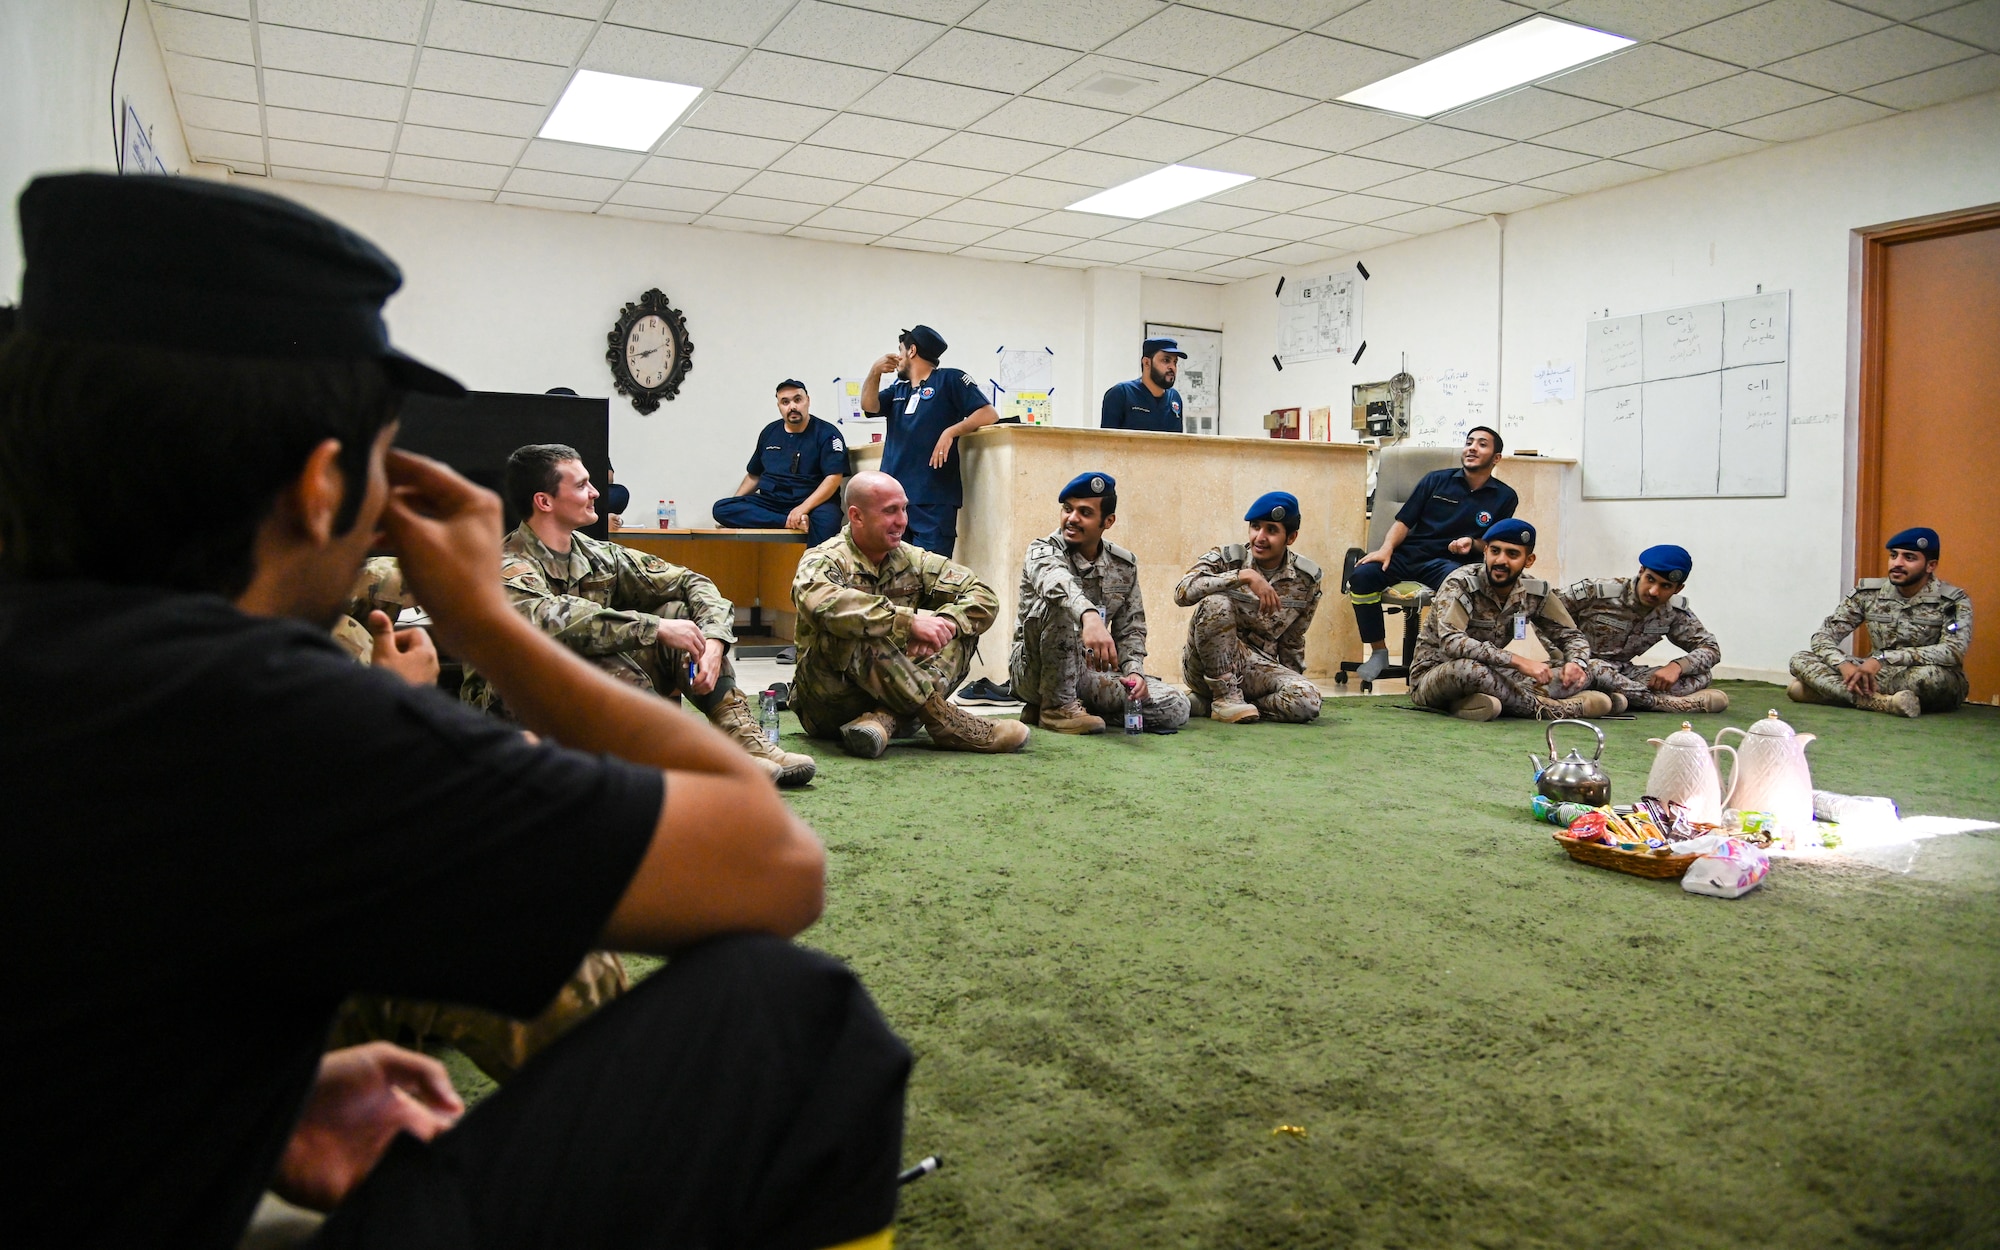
<point>1130,406</point>
<point>1441,509</point>
<point>789,468</point>
<point>944,399</point>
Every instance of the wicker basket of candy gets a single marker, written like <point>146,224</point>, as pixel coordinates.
<point>1638,839</point>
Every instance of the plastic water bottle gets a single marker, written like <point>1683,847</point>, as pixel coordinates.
<point>1135,718</point>
<point>767,716</point>
<point>664,515</point>
<point>673,516</point>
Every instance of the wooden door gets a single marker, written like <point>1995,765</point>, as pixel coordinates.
<point>1930,419</point>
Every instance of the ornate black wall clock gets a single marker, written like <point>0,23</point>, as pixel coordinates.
<point>650,351</point>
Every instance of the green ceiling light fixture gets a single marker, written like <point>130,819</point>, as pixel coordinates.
<point>1522,53</point>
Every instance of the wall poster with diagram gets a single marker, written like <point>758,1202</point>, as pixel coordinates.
<point>1200,380</point>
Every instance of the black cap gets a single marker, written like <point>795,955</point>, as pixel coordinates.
<point>187,265</point>
<point>616,498</point>
<point>928,342</point>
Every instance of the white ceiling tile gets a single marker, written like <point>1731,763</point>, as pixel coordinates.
<point>960,232</point>
<point>666,58</point>
<point>1348,173</point>
<point>756,208</point>
<point>1236,107</point>
<point>567,186</point>
<point>739,21</point>
<point>1953,82</point>
<point>1040,192</point>
<point>1420,28</point>
<point>646,214</point>
<point>1776,30</point>
<point>556,203</point>
<point>987,213</point>
<point>449,172</point>
<point>203,34</point>
<point>1434,186</point>
<point>1359,239</point>
<point>1107,82</point>
<point>1289,227</point>
<point>1156,234</point>
<point>225,80</point>
<point>1360,208</point>
<point>1646,19</point>
<point>207,113</point>
<point>1075,225</point>
<point>742,225</point>
<point>1526,113</point>
<point>850,36</point>
<point>1428,146</point>
<point>1226,243</point>
<point>770,75</point>
<point>1091,168</point>
<point>347,132</point>
<point>1046,121</point>
<point>1300,14</point>
<point>1977,23</point>
<point>1902,10</point>
<point>1275,197</point>
<point>675,199</point>
<point>284,89</point>
<point>914,245</point>
<point>990,61</point>
<point>1506,200</point>
<point>1616,133</point>
<point>1029,241</point>
<point>995,253</point>
<point>329,157</point>
<point>690,143</point>
<point>1300,253</point>
<point>824,235</point>
<point>899,200</point>
<point>1108,252</point>
<point>769,119</point>
<point>438,190</point>
<point>591,9</point>
<point>879,135</point>
<point>1196,40</point>
<point>989,152</point>
<point>1324,67</point>
<point>495,30</point>
<point>821,162</point>
<point>1180,259</point>
<point>800,188</point>
<point>1207,216</point>
<point>1151,140</point>
<point>1701,149</point>
<point>1259,158</point>
<point>933,103</point>
<point>337,56</point>
<point>1734,100</point>
<point>942,179</point>
<point>398,21</point>
<point>1246,268</point>
<point>858,219</point>
<point>1079,24</point>
<point>463,112</point>
<point>1592,177</point>
<point>1335,127</point>
<point>329,177</point>
<point>215,145</point>
<point>1066,262</point>
<point>1639,74</point>
<point>1837,113</point>
<point>1888,54</point>
<point>697,175</point>
<point>219,8</point>
<point>574,158</point>
<point>1427,220</point>
<point>463,73</point>
<point>1517,161</point>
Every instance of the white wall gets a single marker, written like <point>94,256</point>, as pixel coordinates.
<point>1766,570</point>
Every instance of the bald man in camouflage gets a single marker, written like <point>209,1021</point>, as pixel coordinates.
<point>1919,629</point>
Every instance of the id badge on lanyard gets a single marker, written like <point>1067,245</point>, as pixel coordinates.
<point>1520,626</point>
<point>910,409</point>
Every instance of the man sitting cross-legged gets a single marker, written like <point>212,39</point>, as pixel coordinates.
<point>653,624</point>
<point>1080,628</point>
<point>1245,656</point>
<point>1919,629</point>
<point>1624,616</point>
<point>885,634</point>
<point>1462,665</point>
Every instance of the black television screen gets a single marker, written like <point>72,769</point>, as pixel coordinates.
<point>477,434</point>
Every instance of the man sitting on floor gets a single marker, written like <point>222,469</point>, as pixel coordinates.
<point>1462,665</point>
<point>1080,627</point>
<point>1245,656</point>
<point>285,819</point>
<point>1623,617</point>
<point>885,634</point>
<point>793,478</point>
<point>649,623</point>
<point>1919,629</point>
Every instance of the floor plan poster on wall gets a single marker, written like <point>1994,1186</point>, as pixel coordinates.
<point>1200,377</point>
<point>1688,402</point>
<point>1320,317</point>
<point>1027,381</point>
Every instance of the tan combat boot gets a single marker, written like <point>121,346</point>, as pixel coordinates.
<point>1901,703</point>
<point>1476,707</point>
<point>868,734</point>
<point>1581,707</point>
<point>1799,692</point>
<point>734,717</point>
<point>956,729</point>
<point>1618,703</point>
<point>1070,718</point>
<point>1699,701</point>
<point>1226,703</point>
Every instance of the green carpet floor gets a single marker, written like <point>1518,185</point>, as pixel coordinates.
<point>1122,963</point>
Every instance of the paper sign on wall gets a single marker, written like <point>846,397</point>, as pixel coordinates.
<point>1554,381</point>
<point>1027,381</point>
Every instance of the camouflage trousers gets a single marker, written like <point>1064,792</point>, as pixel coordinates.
<point>1938,689</point>
<point>657,667</point>
<point>498,1044</point>
<point>1629,679</point>
<point>1048,667</point>
<point>1444,684</point>
<point>1215,653</point>
<point>844,677</point>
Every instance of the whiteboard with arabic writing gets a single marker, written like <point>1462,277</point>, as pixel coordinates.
<point>1688,402</point>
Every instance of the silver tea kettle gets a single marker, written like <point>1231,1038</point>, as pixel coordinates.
<point>1572,779</point>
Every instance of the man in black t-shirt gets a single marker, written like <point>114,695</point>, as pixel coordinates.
<point>278,815</point>
<point>793,478</point>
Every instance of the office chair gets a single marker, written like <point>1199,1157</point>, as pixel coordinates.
<point>1398,469</point>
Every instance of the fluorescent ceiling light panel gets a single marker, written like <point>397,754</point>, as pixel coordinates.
<point>1159,191</point>
<point>1503,60</point>
<point>613,111</point>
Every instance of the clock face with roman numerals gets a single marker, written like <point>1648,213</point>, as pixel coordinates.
<point>650,351</point>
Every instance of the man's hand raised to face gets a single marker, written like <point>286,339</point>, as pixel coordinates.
<point>446,532</point>
<point>929,634</point>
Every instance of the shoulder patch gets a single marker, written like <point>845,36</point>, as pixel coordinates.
<point>1235,552</point>
<point>1871,583</point>
<point>1607,588</point>
<point>1534,586</point>
<point>1120,553</point>
<point>1307,567</point>
<point>1679,601</point>
<point>954,575</point>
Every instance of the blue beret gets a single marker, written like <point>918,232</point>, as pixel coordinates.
<point>1275,505</point>
<point>1512,530</point>
<point>1170,346</point>
<point>1918,539</point>
<point>1669,561</point>
<point>1091,485</point>
<point>928,342</point>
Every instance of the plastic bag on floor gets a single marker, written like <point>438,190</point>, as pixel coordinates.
<point>1730,870</point>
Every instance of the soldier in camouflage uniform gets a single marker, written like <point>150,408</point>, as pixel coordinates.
<point>377,588</point>
<point>635,616</point>
<point>1919,627</point>
<point>1080,627</point>
<point>1462,664</point>
<point>886,632</point>
<point>1623,617</point>
<point>1245,656</point>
